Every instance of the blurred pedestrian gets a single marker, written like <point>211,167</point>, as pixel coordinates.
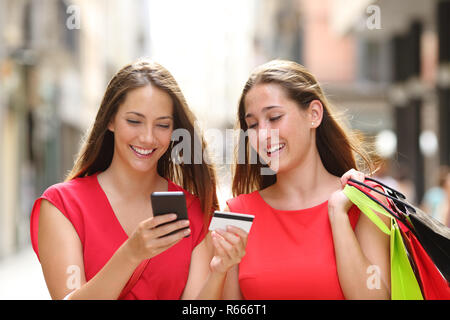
<point>95,234</point>
<point>383,175</point>
<point>397,178</point>
<point>445,211</point>
<point>405,184</point>
<point>435,198</point>
<point>307,240</point>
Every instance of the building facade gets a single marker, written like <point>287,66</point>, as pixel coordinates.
<point>56,58</point>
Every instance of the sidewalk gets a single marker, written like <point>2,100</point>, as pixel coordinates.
<point>21,277</point>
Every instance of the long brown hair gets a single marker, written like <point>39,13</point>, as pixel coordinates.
<point>97,150</point>
<point>339,151</point>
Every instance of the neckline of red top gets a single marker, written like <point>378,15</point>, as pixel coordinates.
<point>304,210</point>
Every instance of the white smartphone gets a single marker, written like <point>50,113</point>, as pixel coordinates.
<point>222,219</point>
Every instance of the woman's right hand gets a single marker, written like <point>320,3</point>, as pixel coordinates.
<point>229,248</point>
<point>148,239</point>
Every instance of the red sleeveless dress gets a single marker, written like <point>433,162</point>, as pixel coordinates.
<point>289,254</point>
<point>84,203</point>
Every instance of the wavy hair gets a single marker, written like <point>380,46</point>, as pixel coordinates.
<point>97,148</point>
<point>338,149</point>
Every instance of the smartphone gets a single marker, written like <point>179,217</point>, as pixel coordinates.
<point>221,220</point>
<point>170,202</point>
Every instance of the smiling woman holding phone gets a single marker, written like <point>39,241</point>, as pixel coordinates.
<point>95,234</point>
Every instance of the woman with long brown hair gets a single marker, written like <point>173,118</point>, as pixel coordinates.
<point>307,241</point>
<point>95,234</point>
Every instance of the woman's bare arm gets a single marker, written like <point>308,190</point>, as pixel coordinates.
<point>360,255</point>
<point>60,252</point>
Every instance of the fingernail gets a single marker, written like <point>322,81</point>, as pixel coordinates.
<point>188,231</point>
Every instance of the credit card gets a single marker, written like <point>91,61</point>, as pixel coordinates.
<point>221,220</point>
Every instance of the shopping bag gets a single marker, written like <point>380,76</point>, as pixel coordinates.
<point>432,282</point>
<point>432,235</point>
<point>404,285</point>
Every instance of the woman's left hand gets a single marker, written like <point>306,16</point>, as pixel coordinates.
<point>229,248</point>
<point>338,202</point>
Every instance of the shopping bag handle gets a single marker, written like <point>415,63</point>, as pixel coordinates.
<point>384,194</point>
<point>386,187</point>
<point>366,206</point>
<point>381,208</point>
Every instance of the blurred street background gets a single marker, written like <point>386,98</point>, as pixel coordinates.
<point>385,64</point>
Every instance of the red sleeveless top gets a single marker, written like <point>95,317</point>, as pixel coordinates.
<point>289,254</point>
<point>84,203</point>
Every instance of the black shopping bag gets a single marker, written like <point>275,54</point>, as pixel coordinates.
<point>432,234</point>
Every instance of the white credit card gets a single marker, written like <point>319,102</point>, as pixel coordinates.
<point>221,220</point>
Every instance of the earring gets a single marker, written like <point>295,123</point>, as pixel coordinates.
<point>312,123</point>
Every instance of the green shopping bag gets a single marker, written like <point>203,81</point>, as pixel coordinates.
<point>404,285</point>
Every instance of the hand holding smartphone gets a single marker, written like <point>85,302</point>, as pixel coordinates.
<point>170,202</point>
